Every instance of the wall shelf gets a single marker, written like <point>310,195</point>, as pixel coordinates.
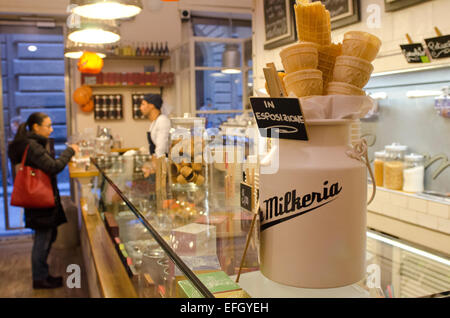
<point>125,86</point>
<point>141,58</point>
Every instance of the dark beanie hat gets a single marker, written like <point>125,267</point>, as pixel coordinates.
<point>154,99</point>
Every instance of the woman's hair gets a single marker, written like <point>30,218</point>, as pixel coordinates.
<point>34,118</point>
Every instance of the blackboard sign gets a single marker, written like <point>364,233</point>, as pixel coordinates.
<point>337,7</point>
<point>246,196</point>
<point>342,12</point>
<point>439,46</point>
<point>282,114</point>
<point>414,53</point>
<point>279,23</point>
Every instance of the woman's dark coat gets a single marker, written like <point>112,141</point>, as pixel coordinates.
<point>39,157</point>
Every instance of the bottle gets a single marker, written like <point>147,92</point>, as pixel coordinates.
<point>166,49</point>
<point>120,49</point>
<point>152,50</point>
<point>142,48</point>
<point>393,166</point>
<point>147,49</point>
<point>137,51</point>
<point>378,167</point>
<point>413,174</point>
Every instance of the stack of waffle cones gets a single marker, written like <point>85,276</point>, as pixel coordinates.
<point>343,68</point>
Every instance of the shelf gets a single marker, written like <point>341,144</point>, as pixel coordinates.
<point>125,86</point>
<point>140,58</point>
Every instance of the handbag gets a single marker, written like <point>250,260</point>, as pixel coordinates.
<point>32,187</point>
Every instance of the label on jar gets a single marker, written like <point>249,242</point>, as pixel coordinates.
<point>283,115</point>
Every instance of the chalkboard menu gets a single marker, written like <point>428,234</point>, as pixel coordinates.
<point>276,23</point>
<point>279,23</point>
<point>336,7</point>
<point>439,46</point>
<point>281,114</point>
<point>342,12</point>
<point>414,53</point>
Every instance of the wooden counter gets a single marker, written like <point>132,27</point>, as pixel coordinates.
<point>107,276</point>
<point>79,172</point>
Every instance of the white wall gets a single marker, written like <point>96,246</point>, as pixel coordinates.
<point>417,20</point>
<point>160,24</point>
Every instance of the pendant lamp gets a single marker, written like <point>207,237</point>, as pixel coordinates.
<point>94,31</point>
<point>75,50</point>
<point>231,58</point>
<point>106,9</point>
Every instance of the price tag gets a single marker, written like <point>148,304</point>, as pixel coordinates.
<point>414,53</point>
<point>439,46</point>
<point>246,196</point>
<point>283,114</point>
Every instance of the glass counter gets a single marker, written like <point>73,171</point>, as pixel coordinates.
<point>177,241</point>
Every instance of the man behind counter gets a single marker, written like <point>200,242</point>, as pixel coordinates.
<point>158,133</point>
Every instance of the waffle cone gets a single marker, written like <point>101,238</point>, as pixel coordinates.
<point>313,23</point>
<point>340,88</point>
<point>327,59</point>
<point>352,70</point>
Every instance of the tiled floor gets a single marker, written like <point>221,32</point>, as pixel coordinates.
<point>15,269</point>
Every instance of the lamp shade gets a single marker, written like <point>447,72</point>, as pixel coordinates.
<point>106,9</point>
<point>75,50</point>
<point>231,59</point>
<point>94,31</point>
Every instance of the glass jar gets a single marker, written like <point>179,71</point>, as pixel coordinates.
<point>187,169</point>
<point>413,173</point>
<point>393,166</point>
<point>378,167</point>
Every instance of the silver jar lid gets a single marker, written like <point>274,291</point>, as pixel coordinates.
<point>396,147</point>
<point>380,154</point>
<point>414,157</point>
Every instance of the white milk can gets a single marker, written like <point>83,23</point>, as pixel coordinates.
<point>313,211</point>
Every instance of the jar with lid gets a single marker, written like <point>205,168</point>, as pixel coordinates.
<point>187,170</point>
<point>413,173</point>
<point>393,166</point>
<point>378,167</point>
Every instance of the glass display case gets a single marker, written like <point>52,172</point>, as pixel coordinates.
<point>167,255</point>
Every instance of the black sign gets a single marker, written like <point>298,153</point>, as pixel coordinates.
<point>276,21</point>
<point>439,46</point>
<point>281,114</point>
<point>246,196</point>
<point>279,23</point>
<point>414,53</point>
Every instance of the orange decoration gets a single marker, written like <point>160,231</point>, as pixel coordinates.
<point>90,63</point>
<point>88,107</point>
<point>82,95</point>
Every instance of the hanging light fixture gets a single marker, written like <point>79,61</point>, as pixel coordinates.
<point>92,31</point>
<point>106,9</point>
<point>231,58</point>
<point>74,50</point>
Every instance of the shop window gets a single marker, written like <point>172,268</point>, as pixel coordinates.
<point>216,94</point>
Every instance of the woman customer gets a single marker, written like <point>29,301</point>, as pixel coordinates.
<point>35,133</point>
